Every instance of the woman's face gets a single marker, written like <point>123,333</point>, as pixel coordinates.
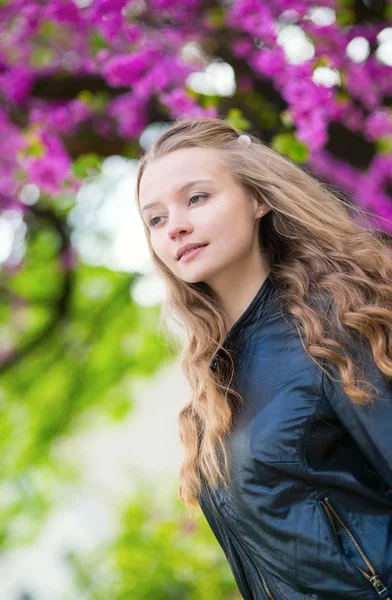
<point>215,211</point>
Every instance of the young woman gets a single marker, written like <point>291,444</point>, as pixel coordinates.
<point>287,307</point>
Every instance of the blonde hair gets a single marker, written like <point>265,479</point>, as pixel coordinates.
<point>315,251</point>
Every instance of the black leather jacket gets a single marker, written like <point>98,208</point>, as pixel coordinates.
<point>308,515</point>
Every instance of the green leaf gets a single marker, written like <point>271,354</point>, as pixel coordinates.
<point>97,101</point>
<point>236,119</point>
<point>268,117</point>
<point>384,145</point>
<point>286,143</point>
<point>345,17</point>
<point>35,147</point>
<point>86,165</point>
<point>47,28</point>
<point>322,61</point>
<point>42,57</point>
<point>85,96</point>
<point>131,150</point>
<point>214,17</point>
<point>388,12</point>
<point>97,42</point>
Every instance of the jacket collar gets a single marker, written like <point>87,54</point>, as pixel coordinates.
<point>254,312</point>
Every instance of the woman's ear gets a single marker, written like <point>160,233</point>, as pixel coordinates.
<point>261,209</point>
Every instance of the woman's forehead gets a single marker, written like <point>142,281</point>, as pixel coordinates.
<point>172,174</point>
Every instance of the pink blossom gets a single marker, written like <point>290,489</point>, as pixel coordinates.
<point>16,84</point>
<point>144,53</point>
<point>378,124</point>
<point>62,12</point>
<point>48,172</point>
<point>129,113</point>
<point>268,62</point>
<point>124,70</point>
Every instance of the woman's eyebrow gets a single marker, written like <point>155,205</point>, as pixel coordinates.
<point>179,190</point>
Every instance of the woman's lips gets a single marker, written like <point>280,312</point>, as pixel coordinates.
<point>192,253</point>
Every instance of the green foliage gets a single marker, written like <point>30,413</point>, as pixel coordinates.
<point>384,145</point>
<point>42,56</point>
<point>345,17</point>
<point>287,143</point>
<point>86,164</point>
<point>262,111</point>
<point>157,555</point>
<point>236,119</point>
<point>34,147</point>
<point>90,353</point>
<point>47,28</point>
<point>78,342</point>
<point>26,497</point>
<point>95,100</point>
<point>215,17</point>
<point>131,150</point>
<point>388,12</point>
<point>97,42</point>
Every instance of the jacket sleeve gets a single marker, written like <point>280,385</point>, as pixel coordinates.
<point>371,425</point>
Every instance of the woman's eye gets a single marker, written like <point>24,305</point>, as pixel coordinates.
<point>151,221</point>
<point>198,196</point>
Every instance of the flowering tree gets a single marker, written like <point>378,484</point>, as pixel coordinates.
<point>81,79</point>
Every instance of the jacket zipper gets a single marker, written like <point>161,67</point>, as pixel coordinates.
<point>372,577</point>
<point>263,580</point>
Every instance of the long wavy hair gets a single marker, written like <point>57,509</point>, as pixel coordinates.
<point>334,274</point>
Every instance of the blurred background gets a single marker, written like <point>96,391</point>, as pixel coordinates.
<point>90,390</point>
